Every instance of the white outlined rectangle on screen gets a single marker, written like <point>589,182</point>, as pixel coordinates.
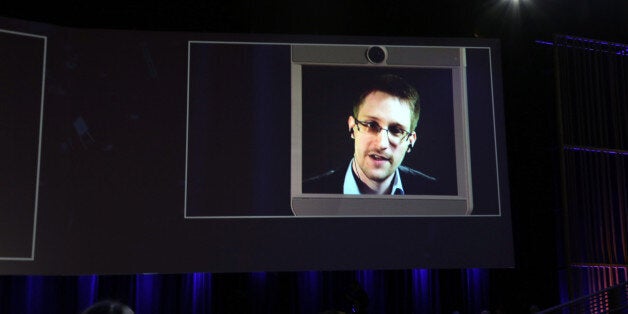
<point>23,74</point>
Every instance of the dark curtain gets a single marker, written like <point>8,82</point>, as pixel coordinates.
<point>365,291</point>
<point>592,88</point>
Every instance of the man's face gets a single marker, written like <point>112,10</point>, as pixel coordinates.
<point>376,156</point>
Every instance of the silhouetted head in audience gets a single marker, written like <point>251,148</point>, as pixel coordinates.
<point>353,299</point>
<point>108,307</point>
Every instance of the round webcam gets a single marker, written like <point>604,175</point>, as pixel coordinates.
<point>376,54</point>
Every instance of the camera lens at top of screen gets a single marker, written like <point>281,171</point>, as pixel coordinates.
<point>376,54</point>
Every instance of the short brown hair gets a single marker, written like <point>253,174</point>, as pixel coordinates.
<point>395,86</point>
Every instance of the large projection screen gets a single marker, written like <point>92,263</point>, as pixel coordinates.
<point>170,152</point>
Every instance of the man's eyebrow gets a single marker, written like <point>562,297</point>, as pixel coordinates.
<point>368,119</point>
<point>396,124</point>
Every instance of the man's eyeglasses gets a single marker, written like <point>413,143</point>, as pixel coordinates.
<point>395,134</point>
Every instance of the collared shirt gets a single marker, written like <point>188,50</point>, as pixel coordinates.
<point>351,186</point>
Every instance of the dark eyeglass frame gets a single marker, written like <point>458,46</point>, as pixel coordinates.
<point>405,135</point>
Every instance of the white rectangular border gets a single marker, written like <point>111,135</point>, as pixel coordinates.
<point>41,127</point>
<point>495,148</point>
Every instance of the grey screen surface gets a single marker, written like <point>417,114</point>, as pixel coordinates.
<point>173,152</point>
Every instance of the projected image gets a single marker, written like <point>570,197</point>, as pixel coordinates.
<point>361,136</point>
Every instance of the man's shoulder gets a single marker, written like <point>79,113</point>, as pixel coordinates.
<point>331,182</point>
<point>416,182</point>
<point>407,171</point>
<point>328,182</point>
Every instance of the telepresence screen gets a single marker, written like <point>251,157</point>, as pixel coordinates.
<point>326,83</point>
<point>188,152</point>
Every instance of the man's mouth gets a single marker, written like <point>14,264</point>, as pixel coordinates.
<point>379,157</point>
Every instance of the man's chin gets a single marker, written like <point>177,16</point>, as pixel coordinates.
<point>378,175</point>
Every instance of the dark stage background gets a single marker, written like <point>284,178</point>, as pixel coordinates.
<point>533,154</point>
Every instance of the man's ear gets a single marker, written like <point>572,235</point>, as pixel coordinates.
<point>351,125</point>
<point>412,140</point>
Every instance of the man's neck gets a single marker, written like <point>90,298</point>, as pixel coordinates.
<point>367,186</point>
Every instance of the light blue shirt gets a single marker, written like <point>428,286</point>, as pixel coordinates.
<point>351,186</point>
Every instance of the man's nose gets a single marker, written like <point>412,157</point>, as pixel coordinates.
<point>383,140</point>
